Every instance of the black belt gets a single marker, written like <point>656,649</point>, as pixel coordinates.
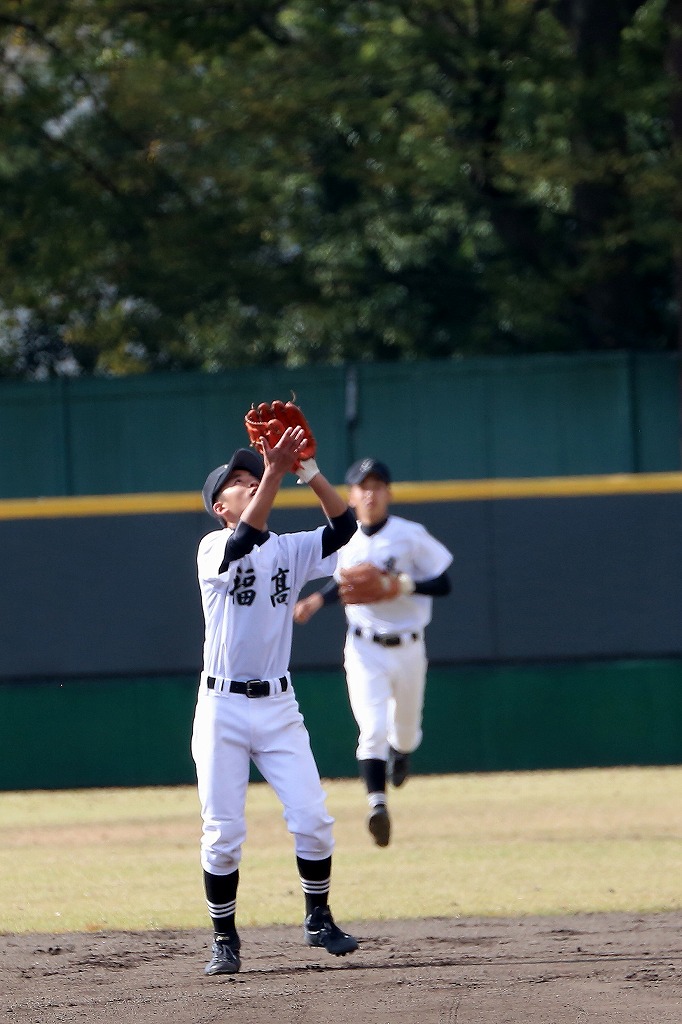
<point>385,639</point>
<point>249,688</point>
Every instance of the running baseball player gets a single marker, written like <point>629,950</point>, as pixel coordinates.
<point>386,578</point>
<point>246,707</point>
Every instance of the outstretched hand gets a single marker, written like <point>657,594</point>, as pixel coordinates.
<point>268,421</point>
<point>279,459</point>
<point>286,453</point>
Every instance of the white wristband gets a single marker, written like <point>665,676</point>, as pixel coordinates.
<point>406,583</point>
<point>306,471</point>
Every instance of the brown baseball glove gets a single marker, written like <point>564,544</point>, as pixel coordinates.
<point>366,583</point>
<point>270,419</point>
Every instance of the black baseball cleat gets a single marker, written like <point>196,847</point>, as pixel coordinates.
<point>225,958</point>
<point>319,930</point>
<point>397,767</point>
<point>379,825</point>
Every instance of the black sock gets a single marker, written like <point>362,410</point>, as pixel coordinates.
<point>315,878</point>
<point>373,773</point>
<point>221,900</point>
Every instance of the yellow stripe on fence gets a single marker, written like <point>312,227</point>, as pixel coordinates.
<point>302,497</point>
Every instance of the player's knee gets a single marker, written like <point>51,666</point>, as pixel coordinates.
<point>312,829</point>
<point>221,847</point>
<point>407,739</point>
<point>372,744</point>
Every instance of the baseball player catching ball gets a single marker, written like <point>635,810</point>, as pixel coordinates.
<point>246,708</point>
<point>386,578</point>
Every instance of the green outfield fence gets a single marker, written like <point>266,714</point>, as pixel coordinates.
<point>134,732</point>
<point>555,480</point>
<point>546,415</point>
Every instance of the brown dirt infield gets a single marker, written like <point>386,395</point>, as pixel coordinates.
<point>582,969</point>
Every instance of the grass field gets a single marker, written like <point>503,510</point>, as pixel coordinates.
<point>491,845</point>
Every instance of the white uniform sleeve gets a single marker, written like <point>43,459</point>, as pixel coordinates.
<point>210,556</point>
<point>430,558</point>
<point>309,561</point>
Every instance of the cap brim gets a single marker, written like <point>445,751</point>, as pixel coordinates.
<point>243,458</point>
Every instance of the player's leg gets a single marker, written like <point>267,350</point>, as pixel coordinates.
<point>283,755</point>
<point>369,692</point>
<point>405,708</point>
<point>221,756</point>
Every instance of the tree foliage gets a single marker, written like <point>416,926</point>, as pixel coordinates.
<point>206,185</point>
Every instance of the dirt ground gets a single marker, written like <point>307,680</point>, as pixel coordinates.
<point>586,968</point>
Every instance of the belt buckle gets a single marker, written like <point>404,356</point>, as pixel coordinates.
<point>390,641</point>
<point>252,690</point>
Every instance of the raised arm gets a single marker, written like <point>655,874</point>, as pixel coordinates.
<point>265,423</point>
<point>342,523</point>
<point>332,503</point>
<point>279,461</point>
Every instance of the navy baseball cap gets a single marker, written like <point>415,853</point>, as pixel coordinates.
<point>368,467</point>
<point>243,458</point>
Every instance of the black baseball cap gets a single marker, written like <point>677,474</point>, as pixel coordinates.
<point>243,458</point>
<point>368,467</point>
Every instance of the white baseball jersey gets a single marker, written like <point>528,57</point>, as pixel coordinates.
<point>248,608</point>
<point>386,684</point>
<point>399,546</point>
<point>248,612</point>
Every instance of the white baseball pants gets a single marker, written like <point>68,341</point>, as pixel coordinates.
<point>229,731</point>
<point>386,691</point>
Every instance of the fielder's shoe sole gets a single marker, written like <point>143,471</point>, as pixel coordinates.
<point>379,825</point>
<point>320,930</point>
<point>225,959</point>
